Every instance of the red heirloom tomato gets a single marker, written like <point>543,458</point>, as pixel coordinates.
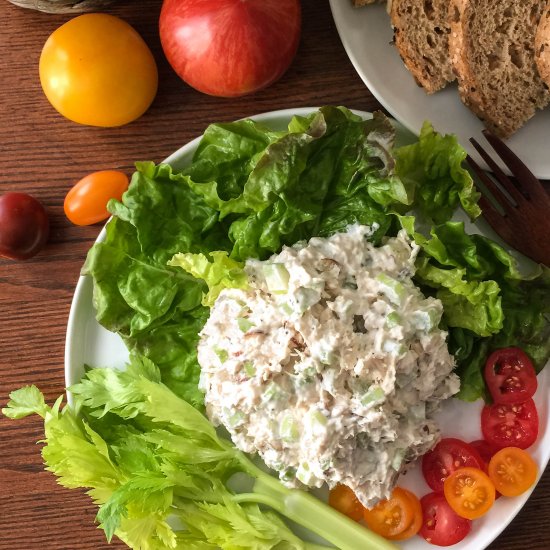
<point>448,455</point>
<point>510,376</point>
<point>230,48</point>
<point>440,524</point>
<point>514,425</point>
<point>24,226</point>
<point>86,202</point>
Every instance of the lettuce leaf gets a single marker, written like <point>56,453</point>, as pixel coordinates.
<point>431,170</point>
<point>222,272</point>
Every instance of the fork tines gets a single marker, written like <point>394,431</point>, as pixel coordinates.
<point>525,221</point>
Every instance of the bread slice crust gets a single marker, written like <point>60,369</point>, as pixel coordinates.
<point>421,32</point>
<point>542,45</point>
<point>492,52</point>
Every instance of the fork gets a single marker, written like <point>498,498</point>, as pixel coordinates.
<point>525,219</point>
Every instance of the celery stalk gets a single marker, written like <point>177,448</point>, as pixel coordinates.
<point>310,512</point>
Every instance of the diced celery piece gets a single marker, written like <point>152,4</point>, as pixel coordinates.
<point>305,475</point>
<point>273,391</point>
<point>222,354</point>
<point>373,395</point>
<point>398,459</point>
<point>393,319</point>
<point>289,430</point>
<point>285,306</point>
<point>249,368</point>
<point>392,288</point>
<point>234,418</point>
<point>306,297</point>
<point>418,411</point>
<point>393,347</point>
<point>288,474</point>
<point>276,277</point>
<point>244,324</point>
<point>426,320</point>
<point>318,421</point>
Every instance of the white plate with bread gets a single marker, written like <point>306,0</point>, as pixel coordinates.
<point>452,61</point>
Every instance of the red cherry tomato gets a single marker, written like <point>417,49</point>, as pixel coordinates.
<point>510,376</point>
<point>230,48</point>
<point>86,202</point>
<point>484,449</point>
<point>515,425</point>
<point>24,226</point>
<point>448,455</point>
<point>440,524</point>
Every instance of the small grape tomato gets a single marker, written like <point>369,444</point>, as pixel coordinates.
<point>440,524</point>
<point>392,516</point>
<point>446,457</point>
<point>513,471</point>
<point>469,492</point>
<point>414,527</point>
<point>343,499</point>
<point>510,376</point>
<point>514,425</point>
<point>86,202</point>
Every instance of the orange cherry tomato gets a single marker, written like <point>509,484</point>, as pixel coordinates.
<point>469,492</point>
<point>416,524</point>
<point>343,499</point>
<point>513,471</point>
<point>391,517</point>
<point>86,202</point>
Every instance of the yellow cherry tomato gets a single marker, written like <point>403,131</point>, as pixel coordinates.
<point>513,471</point>
<point>469,492</point>
<point>97,70</point>
<point>86,202</point>
<point>343,499</point>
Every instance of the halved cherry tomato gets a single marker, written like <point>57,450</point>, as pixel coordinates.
<point>414,527</point>
<point>391,517</point>
<point>86,202</point>
<point>486,452</point>
<point>510,376</point>
<point>484,449</point>
<point>513,471</point>
<point>343,499</point>
<point>514,425</point>
<point>440,524</point>
<point>469,492</point>
<point>446,457</point>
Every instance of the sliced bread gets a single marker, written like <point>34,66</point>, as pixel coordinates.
<point>421,31</point>
<point>542,45</point>
<point>492,50</point>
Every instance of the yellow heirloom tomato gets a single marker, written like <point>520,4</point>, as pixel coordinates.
<point>97,70</point>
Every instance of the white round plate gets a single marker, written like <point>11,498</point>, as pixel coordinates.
<point>367,35</point>
<point>88,343</point>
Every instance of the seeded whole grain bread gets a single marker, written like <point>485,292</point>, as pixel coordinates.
<point>492,49</point>
<point>542,45</point>
<point>421,31</point>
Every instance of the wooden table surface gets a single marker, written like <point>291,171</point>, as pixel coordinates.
<point>43,154</point>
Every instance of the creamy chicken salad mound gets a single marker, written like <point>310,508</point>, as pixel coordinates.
<point>330,364</point>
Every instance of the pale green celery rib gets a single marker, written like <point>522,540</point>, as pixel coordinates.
<point>311,513</point>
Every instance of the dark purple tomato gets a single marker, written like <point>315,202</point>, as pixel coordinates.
<point>24,226</point>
